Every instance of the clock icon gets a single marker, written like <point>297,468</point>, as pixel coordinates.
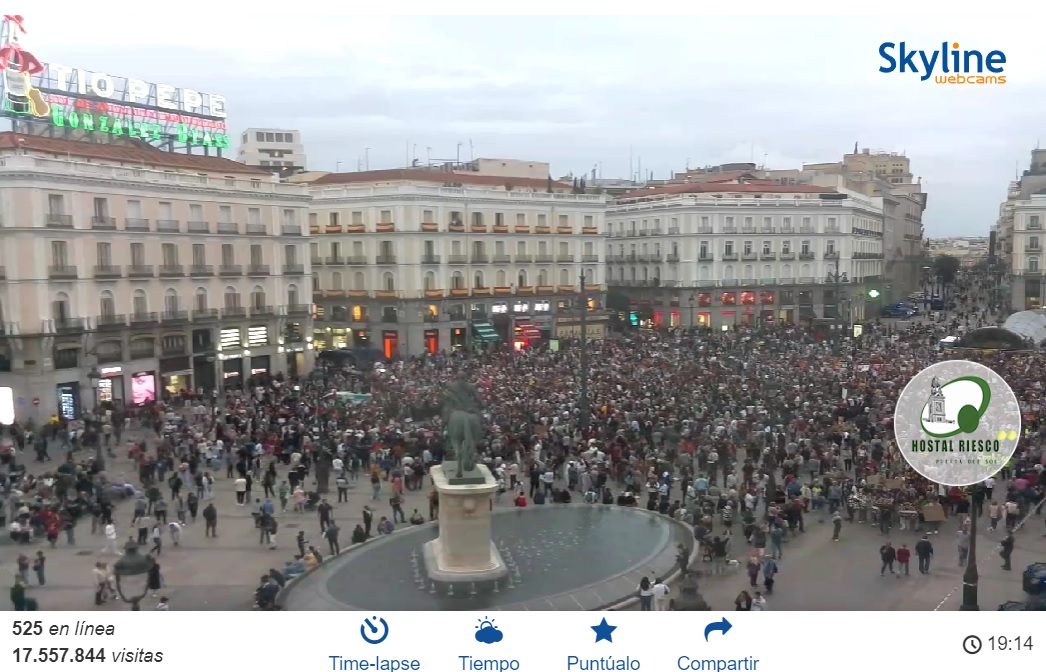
<point>374,630</point>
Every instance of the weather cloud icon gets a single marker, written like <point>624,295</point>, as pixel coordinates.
<point>487,632</point>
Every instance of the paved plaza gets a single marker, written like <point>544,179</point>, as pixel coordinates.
<point>816,573</point>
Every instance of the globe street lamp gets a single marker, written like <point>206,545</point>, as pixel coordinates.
<point>132,575</point>
<point>970,577</point>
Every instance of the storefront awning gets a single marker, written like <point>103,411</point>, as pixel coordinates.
<point>527,329</point>
<point>807,313</point>
<point>485,331</point>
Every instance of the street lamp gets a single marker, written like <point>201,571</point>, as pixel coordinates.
<point>583,364</point>
<point>692,316</point>
<point>131,571</point>
<point>970,577</point>
<point>96,379</point>
<point>838,279</point>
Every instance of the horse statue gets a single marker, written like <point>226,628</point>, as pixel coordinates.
<point>461,416</point>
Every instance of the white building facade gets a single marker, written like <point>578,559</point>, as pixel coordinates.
<point>273,149</point>
<point>133,272</point>
<point>1026,251</point>
<point>721,255</point>
<point>404,264</point>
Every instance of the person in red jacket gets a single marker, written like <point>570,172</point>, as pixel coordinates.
<point>903,556</point>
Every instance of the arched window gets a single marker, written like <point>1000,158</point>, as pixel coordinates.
<point>499,279</point>
<point>61,311</point>
<point>523,279</point>
<point>1033,263</point>
<point>232,297</point>
<point>589,275</point>
<point>564,277</point>
<point>430,281</point>
<point>457,280</point>
<point>140,302</point>
<point>646,274</point>
<point>106,304</point>
<point>170,301</point>
<point>786,270</point>
<point>359,281</point>
<point>543,276</point>
<point>388,282</point>
<point>316,282</point>
<point>478,280</point>
<point>292,295</point>
<point>747,271</point>
<point>336,280</point>
<point>806,271</point>
<point>201,300</point>
<point>728,272</point>
<point>257,297</point>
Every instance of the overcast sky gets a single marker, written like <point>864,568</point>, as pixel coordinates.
<point>578,92</point>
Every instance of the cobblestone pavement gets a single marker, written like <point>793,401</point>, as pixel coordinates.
<point>816,574</point>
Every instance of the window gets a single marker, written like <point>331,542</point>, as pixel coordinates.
<point>228,255</point>
<point>269,137</point>
<point>589,221</point>
<point>1033,263</point>
<point>829,248</point>
<point>385,217</point>
<point>258,297</point>
<point>106,304</point>
<point>768,247</point>
<point>292,295</point>
<point>105,254</point>
<point>256,254</point>
<point>786,247</point>
<point>426,216</point>
<point>499,219</point>
<point>225,214</point>
<point>478,280</point>
<point>101,207</point>
<point>804,247</point>
<point>170,302</point>
<point>748,247</point>
<point>1033,222</point>
<point>703,249</point>
<point>290,255</point>
<point>140,302</point>
<point>60,307</point>
<point>55,204</point>
<point>200,304</point>
<point>831,223</point>
<point>134,209</point>
<point>254,215</point>
<point>1033,242</point>
<point>232,298</point>
<point>728,247</point>
<point>259,137</point>
<point>314,219</point>
<point>170,254</point>
<point>748,223</point>
<point>388,282</point>
<point>806,223</point>
<point>542,220</point>
<point>199,254</point>
<point>457,281</point>
<point>786,222</point>
<point>195,212</point>
<point>357,217</point>
<point>768,223</point>
<point>521,219</point>
<point>59,254</point>
<point>290,217</point>
<point>564,220</point>
<point>137,255</point>
<point>166,211</point>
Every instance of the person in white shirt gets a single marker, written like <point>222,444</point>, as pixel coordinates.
<point>110,540</point>
<point>759,603</point>
<point>660,591</point>
<point>175,530</point>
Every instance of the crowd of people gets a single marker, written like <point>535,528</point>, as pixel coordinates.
<point>742,434</point>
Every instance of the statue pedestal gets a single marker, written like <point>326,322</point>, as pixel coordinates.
<point>464,551</point>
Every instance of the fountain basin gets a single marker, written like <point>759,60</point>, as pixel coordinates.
<point>566,557</point>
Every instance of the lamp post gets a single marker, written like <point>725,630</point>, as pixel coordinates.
<point>970,577</point>
<point>96,379</point>
<point>131,572</point>
<point>583,364</point>
<point>692,316</point>
<point>838,279</point>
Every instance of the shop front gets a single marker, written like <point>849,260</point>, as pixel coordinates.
<point>458,338</point>
<point>432,341</point>
<point>110,387</point>
<point>232,372</point>
<point>68,400</point>
<point>176,374</point>
<point>361,338</point>
<point>261,366</point>
<point>203,372</point>
<point>390,343</point>
<point>525,334</point>
<point>484,334</point>
<point>143,388</point>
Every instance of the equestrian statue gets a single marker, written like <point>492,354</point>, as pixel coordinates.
<point>464,429</point>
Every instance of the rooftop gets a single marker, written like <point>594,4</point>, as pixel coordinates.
<point>126,154</point>
<point>437,176</point>
<point>753,187</point>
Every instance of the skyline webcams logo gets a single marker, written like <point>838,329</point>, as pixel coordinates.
<point>957,422</point>
<point>947,65</point>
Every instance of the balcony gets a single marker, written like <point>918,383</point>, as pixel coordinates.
<point>234,311</point>
<point>64,325</point>
<point>107,271</point>
<point>672,257</point>
<point>429,317</point>
<point>524,259</point>
<point>429,227</point>
<point>390,317</point>
<point>356,260</point>
<point>458,292</point>
<point>59,221</point>
<point>258,269</point>
<point>767,229</point>
<point>1031,249</point>
<point>501,228</point>
<point>787,256</point>
<point>482,291</point>
<point>542,229</point>
<point>457,259</point>
<point>62,272</point>
<point>262,310</point>
<point>478,228</point>
<point>335,260</point>
<point>807,256</point>
<point>294,269</point>
<point>136,224</point>
<point>480,259</point>
<point>386,294</point>
<point>456,227</point>
<point>564,259</point>
<point>168,226</point>
<point>704,228</point>
<point>807,228</point>
<point>172,271</point>
<point>589,258</point>
<point>749,256</point>
<point>255,230</point>
<point>317,261</point>
<point>787,228</point>
<point>230,270</point>
<point>291,229</point>
<point>385,227</point>
<point>230,228</point>
<point>768,256</point>
<point>299,309</point>
<point>729,228</point>
<point>434,294</point>
<point>201,270</point>
<point>706,256</point>
<point>103,223</point>
<point>204,314</point>
<point>385,259</point>
<point>748,228</point>
<point>354,228</point>
<point>175,316</point>
<point>565,230</point>
<point>502,259</point>
<point>544,258</point>
<point>867,255</point>
<point>110,321</point>
<point>431,259</point>
<point>832,229</point>
<point>729,256</point>
<point>591,231</point>
<point>143,318</point>
<point>141,271</point>
<point>198,226</point>
<point>521,228</point>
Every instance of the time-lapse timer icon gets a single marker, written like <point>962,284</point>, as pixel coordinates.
<point>487,632</point>
<point>374,630</point>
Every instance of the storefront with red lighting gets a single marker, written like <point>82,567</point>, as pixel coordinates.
<point>525,334</point>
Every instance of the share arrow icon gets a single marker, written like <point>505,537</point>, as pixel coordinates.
<point>722,626</point>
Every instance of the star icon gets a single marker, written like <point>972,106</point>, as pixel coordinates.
<point>604,631</point>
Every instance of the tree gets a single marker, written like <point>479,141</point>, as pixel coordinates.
<point>946,267</point>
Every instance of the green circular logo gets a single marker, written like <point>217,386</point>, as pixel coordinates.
<point>957,422</point>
